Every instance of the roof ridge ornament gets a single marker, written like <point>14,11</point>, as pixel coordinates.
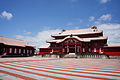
<point>63,30</point>
<point>71,35</point>
<point>94,27</point>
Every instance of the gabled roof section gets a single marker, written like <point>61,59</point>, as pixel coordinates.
<point>14,42</point>
<point>76,37</point>
<point>78,32</point>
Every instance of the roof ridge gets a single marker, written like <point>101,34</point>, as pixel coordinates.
<point>12,41</point>
<point>12,38</point>
<point>78,29</point>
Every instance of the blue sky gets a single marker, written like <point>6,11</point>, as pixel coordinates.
<point>32,20</point>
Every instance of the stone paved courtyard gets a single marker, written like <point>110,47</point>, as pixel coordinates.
<point>36,68</point>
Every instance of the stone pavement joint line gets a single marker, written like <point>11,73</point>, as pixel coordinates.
<point>53,72</point>
<point>35,68</point>
<point>16,75</point>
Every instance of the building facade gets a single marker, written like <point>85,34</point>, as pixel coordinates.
<point>78,41</point>
<point>15,47</point>
<point>112,50</point>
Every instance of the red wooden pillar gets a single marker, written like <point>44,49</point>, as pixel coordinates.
<point>75,49</point>
<point>80,47</point>
<point>86,48</point>
<point>6,51</point>
<point>102,50</point>
<point>62,48</point>
<point>67,49</point>
<point>92,50</point>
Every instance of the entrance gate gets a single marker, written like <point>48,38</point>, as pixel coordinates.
<point>71,48</point>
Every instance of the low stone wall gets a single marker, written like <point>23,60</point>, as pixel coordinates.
<point>51,56</point>
<point>93,56</point>
<point>83,55</point>
<point>114,57</point>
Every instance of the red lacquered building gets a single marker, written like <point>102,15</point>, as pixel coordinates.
<point>15,47</point>
<point>80,41</point>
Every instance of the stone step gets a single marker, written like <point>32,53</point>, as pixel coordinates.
<point>70,55</point>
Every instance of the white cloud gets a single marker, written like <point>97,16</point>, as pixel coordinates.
<point>26,32</point>
<point>40,39</point>
<point>104,1</point>
<point>105,17</point>
<point>6,15</point>
<point>112,31</point>
<point>19,36</point>
<point>97,22</point>
<point>91,18</point>
<point>69,24</point>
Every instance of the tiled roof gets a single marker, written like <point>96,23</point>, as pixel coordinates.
<point>78,32</point>
<point>13,42</point>
<point>47,46</point>
<point>56,40</point>
<point>113,45</point>
<point>30,45</point>
<point>80,39</point>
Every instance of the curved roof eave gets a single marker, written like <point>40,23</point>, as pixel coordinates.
<point>83,39</point>
<point>74,34</point>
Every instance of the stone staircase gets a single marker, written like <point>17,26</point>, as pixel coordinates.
<point>70,55</point>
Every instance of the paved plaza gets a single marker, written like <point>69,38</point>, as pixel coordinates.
<point>36,68</point>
